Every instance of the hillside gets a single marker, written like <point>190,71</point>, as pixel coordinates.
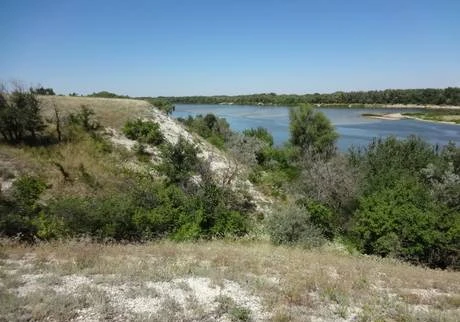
<point>116,258</point>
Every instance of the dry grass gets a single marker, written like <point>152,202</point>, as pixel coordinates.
<point>88,168</point>
<point>217,280</point>
<point>111,112</point>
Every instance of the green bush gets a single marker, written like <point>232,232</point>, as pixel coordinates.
<point>143,131</point>
<point>292,226</point>
<point>27,190</point>
<point>180,161</point>
<point>405,222</point>
<point>230,223</point>
<point>385,161</point>
<point>146,211</point>
<point>97,217</point>
<point>85,119</point>
<point>214,129</point>
<point>21,207</point>
<point>162,105</point>
<point>261,133</point>
<point>48,227</point>
<point>322,217</point>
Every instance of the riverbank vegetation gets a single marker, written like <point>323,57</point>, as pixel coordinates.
<point>437,115</point>
<point>449,96</point>
<point>86,187</point>
<point>391,198</point>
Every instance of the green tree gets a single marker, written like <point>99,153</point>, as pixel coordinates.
<point>20,116</point>
<point>311,131</point>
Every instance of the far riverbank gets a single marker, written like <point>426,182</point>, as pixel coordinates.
<point>392,106</point>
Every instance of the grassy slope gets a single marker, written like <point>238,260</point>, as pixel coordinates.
<point>79,157</point>
<point>111,112</point>
<point>202,281</point>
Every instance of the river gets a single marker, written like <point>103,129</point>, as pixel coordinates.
<point>354,129</point>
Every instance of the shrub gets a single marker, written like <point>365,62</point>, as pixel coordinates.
<point>143,131</point>
<point>27,190</point>
<point>384,161</point>
<point>105,94</point>
<point>322,217</point>
<point>214,129</point>
<point>140,210</point>
<point>18,211</point>
<point>230,223</point>
<point>404,221</point>
<point>48,227</point>
<point>222,212</point>
<point>245,149</point>
<point>334,183</point>
<point>85,119</point>
<point>97,217</point>
<point>162,105</point>
<point>260,133</point>
<point>180,161</point>
<point>292,226</point>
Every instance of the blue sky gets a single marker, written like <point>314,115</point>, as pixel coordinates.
<point>204,47</point>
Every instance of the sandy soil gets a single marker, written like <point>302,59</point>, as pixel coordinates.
<point>216,281</point>
<point>399,116</point>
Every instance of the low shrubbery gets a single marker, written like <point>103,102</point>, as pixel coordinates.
<point>402,211</point>
<point>143,131</point>
<point>20,208</point>
<point>148,210</point>
<point>404,221</point>
<point>293,225</point>
<point>178,208</point>
<point>214,129</point>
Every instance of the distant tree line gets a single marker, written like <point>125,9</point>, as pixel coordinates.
<point>105,94</point>
<point>42,91</point>
<point>431,96</point>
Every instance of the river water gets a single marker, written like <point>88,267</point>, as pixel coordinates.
<point>354,129</point>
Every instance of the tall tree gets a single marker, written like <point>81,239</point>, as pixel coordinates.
<point>311,131</point>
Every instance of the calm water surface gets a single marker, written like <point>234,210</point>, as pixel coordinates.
<point>352,127</point>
